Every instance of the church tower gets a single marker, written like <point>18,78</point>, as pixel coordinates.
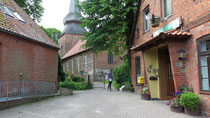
<point>72,31</point>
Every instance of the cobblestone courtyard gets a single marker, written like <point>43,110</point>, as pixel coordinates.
<point>96,103</point>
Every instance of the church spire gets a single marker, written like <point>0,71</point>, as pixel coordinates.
<point>72,20</point>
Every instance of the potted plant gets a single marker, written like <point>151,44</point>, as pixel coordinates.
<point>191,103</point>
<point>66,88</point>
<point>175,105</point>
<point>145,94</point>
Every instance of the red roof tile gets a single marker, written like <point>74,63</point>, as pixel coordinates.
<point>28,29</point>
<point>77,48</point>
<point>170,33</point>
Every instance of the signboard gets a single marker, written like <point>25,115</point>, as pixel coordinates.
<point>172,25</point>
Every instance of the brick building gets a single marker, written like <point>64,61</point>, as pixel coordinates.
<point>75,58</point>
<point>174,52</point>
<point>26,54</point>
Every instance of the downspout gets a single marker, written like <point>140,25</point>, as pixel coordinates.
<point>94,65</point>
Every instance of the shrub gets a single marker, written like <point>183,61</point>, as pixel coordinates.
<point>76,85</point>
<point>121,74</point>
<point>117,86</point>
<point>127,88</point>
<point>77,79</point>
<point>67,84</point>
<point>190,101</point>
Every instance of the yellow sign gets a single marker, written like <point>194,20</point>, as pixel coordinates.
<point>140,80</point>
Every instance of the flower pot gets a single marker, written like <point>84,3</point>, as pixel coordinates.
<point>178,109</point>
<point>145,97</point>
<point>66,91</point>
<point>196,112</point>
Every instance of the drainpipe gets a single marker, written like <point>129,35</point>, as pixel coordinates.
<point>94,65</point>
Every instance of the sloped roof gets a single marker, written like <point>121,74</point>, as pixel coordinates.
<point>72,20</point>
<point>26,29</point>
<point>167,35</point>
<point>77,48</point>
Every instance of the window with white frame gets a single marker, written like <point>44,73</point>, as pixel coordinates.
<point>67,67</point>
<point>166,8</point>
<point>146,19</point>
<point>204,62</point>
<point>85,63</point>
<point>78,67</point>
<point>72,66</point>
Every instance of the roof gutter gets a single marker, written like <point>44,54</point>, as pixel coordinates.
<point>134,25</point>
<point>24,37</point>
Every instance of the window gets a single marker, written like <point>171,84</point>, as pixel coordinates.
<point>85,63</point>
<point>67,67</point>
<point>146,19</point>
<point>78,67</point>
<point>110,58</point>
<point>72,66</point>
<point>166,8</point>
<point>138,67</point>
<point>11,12</point>
<point>17,15</point>
<point>5,10</point>
<point>204,62</point>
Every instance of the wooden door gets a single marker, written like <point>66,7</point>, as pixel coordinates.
<point>208,62</point>
<point>170,81</point>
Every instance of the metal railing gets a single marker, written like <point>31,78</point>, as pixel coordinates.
<point>20,89</point>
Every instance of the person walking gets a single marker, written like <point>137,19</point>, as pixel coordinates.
<point>110,80</point>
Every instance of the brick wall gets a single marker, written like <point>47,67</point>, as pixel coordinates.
<point>178,70</point>
<point>35,61</point>
<point>192,65</point>
<point>67,41</point>
<point>81,56</point>
<point>102,61</point>
<point>195,19</point>
<point>133,69</point>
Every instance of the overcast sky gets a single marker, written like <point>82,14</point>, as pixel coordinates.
<point>55,11</point>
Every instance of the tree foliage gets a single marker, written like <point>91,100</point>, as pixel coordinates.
<point>32,8</point>
<point>61,73</point>
<point>53,33</point>
<point>109,24</point>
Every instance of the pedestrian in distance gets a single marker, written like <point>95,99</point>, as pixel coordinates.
<point>110,80</point>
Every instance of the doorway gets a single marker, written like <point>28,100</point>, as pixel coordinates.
<point>166,81</point>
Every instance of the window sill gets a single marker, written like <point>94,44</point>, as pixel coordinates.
<point>166,18</point>
<point>205,92</point>
<point>146,31</point>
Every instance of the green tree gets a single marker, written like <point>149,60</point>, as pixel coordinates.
<point>32,8</point>
<point>61,73</point>
<point>53,33</point>
<point>109,24</point>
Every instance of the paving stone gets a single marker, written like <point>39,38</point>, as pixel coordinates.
<point>96,103</point>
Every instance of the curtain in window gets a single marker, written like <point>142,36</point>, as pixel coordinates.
<point>168,7</point>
